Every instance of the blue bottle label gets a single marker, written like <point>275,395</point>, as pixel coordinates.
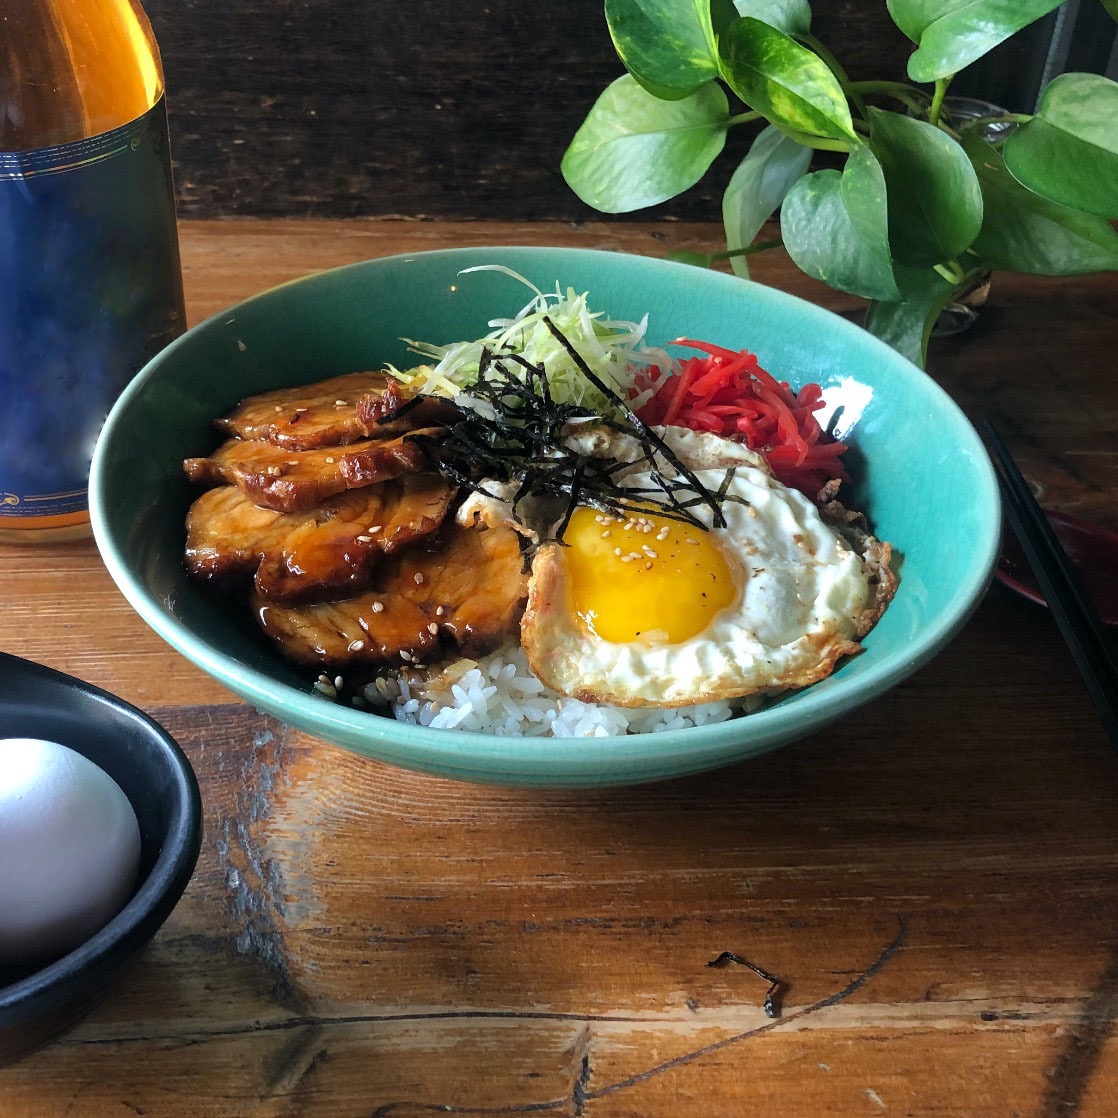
<point>90,290</point>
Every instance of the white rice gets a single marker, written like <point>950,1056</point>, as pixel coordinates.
<point>500,695</point>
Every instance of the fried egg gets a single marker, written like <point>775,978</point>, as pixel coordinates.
<point>652,611</point>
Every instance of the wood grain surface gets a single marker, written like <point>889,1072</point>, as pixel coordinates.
<point>932,879</point>
<point>335,108</point>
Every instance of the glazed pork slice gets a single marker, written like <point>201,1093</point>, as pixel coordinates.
<point>476,585</point>
<point>334,412</point>
<point>395,410</point>
<point>330,551</point>
<point>298,480</point>
<point>468,591</point>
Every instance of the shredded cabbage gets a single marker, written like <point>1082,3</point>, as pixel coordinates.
<point>612,348</point>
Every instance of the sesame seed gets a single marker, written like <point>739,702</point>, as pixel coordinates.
<point>373,529</point>
<point>330,460</point>
<point>339,403</point>
<point>649,552</point>
<point>440,611</point>
<point>626,558</point>
<point>617,551</point>
<point>690,540</point>
<point>606,534</point>
<point>378,607</point>
<point>648,566</point>
<point>356,646</point>
<point>433,629</point>
<point>418,578</point>
<point>364,539</point>
<point>663,533</point>
<point>338,682</point>
<point>406,655</point>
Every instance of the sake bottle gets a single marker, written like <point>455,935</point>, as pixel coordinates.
<point>90,282</point>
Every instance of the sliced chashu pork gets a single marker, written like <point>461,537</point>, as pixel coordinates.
<point>297,480</point>
<point>334,412</point>
<point>469,590</point>
<point>330,551</point>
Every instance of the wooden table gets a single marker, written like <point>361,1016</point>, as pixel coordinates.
<point>934,878</point>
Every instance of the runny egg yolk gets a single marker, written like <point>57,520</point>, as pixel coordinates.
<point>646,577</point>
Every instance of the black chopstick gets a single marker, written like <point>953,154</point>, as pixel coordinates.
<point>1073,610</point>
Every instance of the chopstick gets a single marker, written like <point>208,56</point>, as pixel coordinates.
<point>1073,610</point>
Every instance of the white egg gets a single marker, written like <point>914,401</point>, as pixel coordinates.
<point>650,611</point>
<point>69,850</point>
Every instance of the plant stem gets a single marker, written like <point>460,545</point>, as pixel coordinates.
<point>937,99</point>
<point>744,118</point>
<point>906,94</point>
<point>820,143</point>
<point>952,271</point>
<point>749,250</point>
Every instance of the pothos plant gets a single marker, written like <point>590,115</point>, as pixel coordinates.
<point>912,204</point>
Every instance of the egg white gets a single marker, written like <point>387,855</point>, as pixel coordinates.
<point>804,597</point>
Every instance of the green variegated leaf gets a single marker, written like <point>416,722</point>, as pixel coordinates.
<point>793,17</point>
<point>863,191</point>
<point>1068,152</point>
<point>935,202</point>
<point>1022,232</point>
<point>906,324</point>
<point>634,150</point>
<point>792,86</point>
<point>757,188</point>
<point>667,45</point>
<point>951,34</point>
<point>834,228</point>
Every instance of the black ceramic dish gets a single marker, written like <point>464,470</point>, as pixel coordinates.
<point>36,1005</point>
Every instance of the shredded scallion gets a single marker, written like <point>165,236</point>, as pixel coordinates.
<point>612,348</point>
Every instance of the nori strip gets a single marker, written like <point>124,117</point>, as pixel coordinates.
<point>522,441</point>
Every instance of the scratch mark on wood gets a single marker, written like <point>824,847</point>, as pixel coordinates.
<point>582,1079</point>
<point>854,985</point>
<point>582,1095</point>
<point>874,1097</point>
<point>1068,1082</point>
<point>294,1061</point>
<point>777,986</point>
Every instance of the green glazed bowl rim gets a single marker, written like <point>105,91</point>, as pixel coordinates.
<point>555,762</point>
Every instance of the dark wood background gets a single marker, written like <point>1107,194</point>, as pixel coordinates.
<point>415,108</point>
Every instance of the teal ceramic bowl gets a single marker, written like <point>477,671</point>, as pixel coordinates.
<point>921,474</point>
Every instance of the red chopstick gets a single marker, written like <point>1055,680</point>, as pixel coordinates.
<point>1073,610</point>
